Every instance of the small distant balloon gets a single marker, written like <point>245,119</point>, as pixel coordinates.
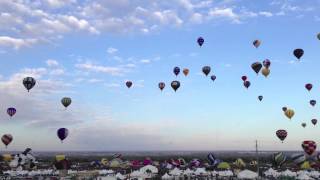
<point>266,63</point>
<point>313,102</point>
<point>185,71</point>
<point>298,53</point>
<point>29,83</point>
<point>284,109</point>
<point>281,134</point>
<point>161,85</point>
<point>308,86</point>
<point>260,98</point>
<point>289,113</point>
<point>246,84</point>
<point>256,43</point>
<point>62,133</point>
<point>200,41</point>
<point>175,85</point>
<point>318,36</point>
<point>213,77</point>
<point>176,71</point>
<point>265,72</point>
<point>309,147</point>
<point>303,125</point>
<point>6,139</point>
<point>206,70</point>
<point>244,78</point>
<point>11,111</point>
<point>256,67</point>
<point>314,121</point>
<point>66,101</point>
<point>128,84</point>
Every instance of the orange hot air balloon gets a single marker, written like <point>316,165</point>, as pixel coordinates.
<point>185,71</point>
<point>289,113</point>
<point>265,72</point>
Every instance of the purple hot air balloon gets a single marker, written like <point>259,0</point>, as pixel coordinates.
<point>11,111</point>
<point>176,71</point>
<point>62,133</point>
<point>213,77</point>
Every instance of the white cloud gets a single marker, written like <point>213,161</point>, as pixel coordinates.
<point>52,63</point>
<point>16,43</point>
<point>57,72</point>
<point>145,61</point>
<point>167,17</point>
<point>113,85</point>
<point>225,13</point>
<point>266,14</point>
<point>196,18</point>
<point>112,50</point>
<point>115,71</point>
<point>95,80</point>
<point>58,3</point>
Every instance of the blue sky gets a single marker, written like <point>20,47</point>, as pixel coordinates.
<point>87,50</point>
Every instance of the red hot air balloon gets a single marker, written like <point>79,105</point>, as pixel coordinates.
<point>308,86</point>
<point>281,134</point>
<point>62,133</point>
<point>309,147</point>
<point>128,84</point>
<point>244,78</point>
<point>314,121</point>
<point>6,139</point>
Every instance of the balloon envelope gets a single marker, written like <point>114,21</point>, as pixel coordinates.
<point>281,134</point>
<point>313,102</point>
<point>29,83</point>
<point>260,98</point>
<point>298,158</point>
<point>200,41</point>
<point>308,86</point>
<point>6,139</point>
<point>176,70</point>
<point>206,70</point>
<point>279,159</point>
<point>298,53</point>
<point>213,77</point>
<point>256,67</point>
<point>303,125</point>
<point>265,72</point>
<point>266,63</point>
<point>256,43</point>
<point>314,121</point>
<point>175,85</point>
<point>128,84</point>
<point>246,84</point>
<point>11,111</point>
<point>185,71</point>
<point>62,133</point>
<point>161,85</point>
<point>284,109</point>
<point>244,78</point>
<point>309,146</point>
<point>66,101</point>
<point>289,113</point>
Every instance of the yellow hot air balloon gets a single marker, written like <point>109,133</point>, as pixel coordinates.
<point>289,113</point>
<point>104,161</point>
<point>60,157</point>
<point>7,157</point>
<point>265,72</point>
<point>305,165</point>
<point>185,71</point>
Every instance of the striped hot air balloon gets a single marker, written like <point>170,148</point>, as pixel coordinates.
<point>66,101</point>
<point>29,83</point>
<point>11,111</point>
<point>6,139</point>
<point>279,159</point>
<point>281,134</point>
<point>298,158</point>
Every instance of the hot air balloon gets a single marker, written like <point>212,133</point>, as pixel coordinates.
<point>289,113</point>
<point>11,111</point>
<point>303,125</point>
<point>281,134</point>
<point>309,147</point>
<point>244,78</point>
<point>185,71</point>
<point>161,85</point>
<point>279,159</point>
<point>176,71</point>
<point>256,43</point>
<point>213,77</point>
<point>266,63</point>
<point>260,98</point>
<point>128,84</point>
<point>298,158</point>
<point>6,139</point>
<point>66,101</point>
<point>200,41</point>
<point>298,53</point>
<point>246,84</point>
<point>308,86</point>
<point>175,85</point>
<point>256,67</point>
<point>29,83</point>
<point>314,121</point>
<point>265,72</point>
<point>318,36</point>
<point>206,70</point>
<point>284,109</point>
<point>212,159</point>
<point>62,133</point>
<point>313,102</point>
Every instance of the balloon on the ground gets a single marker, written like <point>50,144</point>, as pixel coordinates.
<point>161,85</point>
<point>256,43</point>
<point>62,133</point>
<point>314,121</point>
<point>213,77</point>
<point>265,72</point>
<point>256,67</point>
<point>128,84</point>
<point>29,83</point>
<point>175,85</point>
<point>298,158</point>
<point>260,98</point>
<point>308,86</point>
<point>11,111</point>
<point>289,113</point>
<point>206,70</point>
<point>6,139</point>
<point>266,63</point>
<point>200,41</point>
<point>298,53</point>
<point>246,84</point>
<point>313,102</point>
<point>66,101</point>
<point>281,134</point>
<point>279,159</point>
<point>309,146</point>
<point>176,71</point>
<point>185,71</point>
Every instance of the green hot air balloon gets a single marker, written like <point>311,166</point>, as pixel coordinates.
<point>66,101</point>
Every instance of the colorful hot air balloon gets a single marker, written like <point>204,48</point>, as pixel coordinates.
<point>266,63</point>
<point>260,98</point>
<point>66,101</point>
<point>200,41</point>
<point>298,53</point>
<point>298,158</point>
<point>246,84</point>
<point>128,84</point>
<point>284,109</point>
<point>175,85</point>
<point>6,139</point>
<point>213,77</point>
<point>289,113</point>
<point>281,134</point>
<point>212,159</point>
<point>265,72</point>
<point>314,121</point>
<point>11,111</point>
<point>185,71</point>
<point>161,85</point>
<point>308,86</point>
<point>309,147</point>
<point>303,125</point>
<point>256,43</point>
<point>256,67</point>
<point>206,70</point>
<point>62,133</point>
<point>29,83</point>
<point>279,159</point>
<point>244,78</point>
<point>176,71</point>
<point>313,102</point>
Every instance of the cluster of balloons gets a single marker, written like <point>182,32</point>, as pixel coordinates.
<point>257,66</point>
